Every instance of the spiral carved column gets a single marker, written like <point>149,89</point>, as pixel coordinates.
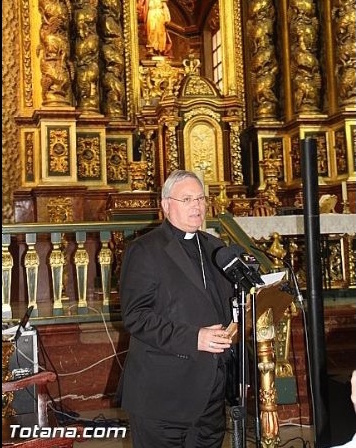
<point>54,51</point>
<point>305,67</point>
<point>344,23</point>
<point>87,57</point>
<point>264,67</point>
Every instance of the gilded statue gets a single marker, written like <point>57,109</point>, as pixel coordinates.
<point>156,16</point>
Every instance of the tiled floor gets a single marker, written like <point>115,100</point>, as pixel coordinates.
<point>291,436</point>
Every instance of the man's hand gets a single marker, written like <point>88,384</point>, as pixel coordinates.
<point>214,339</point>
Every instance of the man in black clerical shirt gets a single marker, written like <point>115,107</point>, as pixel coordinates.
<point>176,304</point>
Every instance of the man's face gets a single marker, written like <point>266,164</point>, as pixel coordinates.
<point>187,217</point>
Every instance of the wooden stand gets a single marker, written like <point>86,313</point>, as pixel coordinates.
<point>272,301</point>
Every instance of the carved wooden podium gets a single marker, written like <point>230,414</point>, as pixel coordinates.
<point>272,303</point>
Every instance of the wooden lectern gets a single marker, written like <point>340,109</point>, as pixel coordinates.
<point>272,302</point>
<point>276,296</point>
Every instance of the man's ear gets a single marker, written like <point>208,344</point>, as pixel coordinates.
<point>165,205</point>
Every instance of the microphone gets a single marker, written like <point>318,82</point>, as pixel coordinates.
<point>238,266</point>
<point>298,295</point>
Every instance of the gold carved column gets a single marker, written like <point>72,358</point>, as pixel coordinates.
<point>54,50</point>
<point>344,26</point>
<point>86,56</point>
<point>263,61</point>
<point>172,162</point>
<point>148,149</point>
<point>267,393</point>
<point>235,121</point>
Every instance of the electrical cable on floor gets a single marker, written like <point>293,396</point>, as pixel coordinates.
<point>46,357</point>
<point>69,417</point>
<point>305,443</point>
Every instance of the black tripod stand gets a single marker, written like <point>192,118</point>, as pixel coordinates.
<point>238,410</point>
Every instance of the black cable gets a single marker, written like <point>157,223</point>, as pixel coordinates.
<point>98,421</point>
<point>46,357</point>
<point>304,442</point>
<point>71,416</point>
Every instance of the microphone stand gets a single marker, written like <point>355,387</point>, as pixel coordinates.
<point>239,411</point>
<point>255,369</point>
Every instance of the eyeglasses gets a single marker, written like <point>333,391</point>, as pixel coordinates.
<point>189,200</point>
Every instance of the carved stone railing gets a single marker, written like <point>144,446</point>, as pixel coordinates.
<point>59,264</point>
<point>55,266</point>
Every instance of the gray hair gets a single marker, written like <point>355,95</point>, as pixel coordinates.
<point>177,176</point>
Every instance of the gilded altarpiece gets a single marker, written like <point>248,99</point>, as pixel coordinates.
<point>82,59</point>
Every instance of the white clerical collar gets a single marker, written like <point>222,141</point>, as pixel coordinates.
<point>189,236</point>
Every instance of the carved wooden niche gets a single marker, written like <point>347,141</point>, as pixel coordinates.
<point>202,128</point>
<point>203,145</point>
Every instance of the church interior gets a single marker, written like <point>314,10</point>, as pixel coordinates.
<point>101,101</point>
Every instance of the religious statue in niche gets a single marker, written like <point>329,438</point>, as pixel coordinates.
<point>155,15</point>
